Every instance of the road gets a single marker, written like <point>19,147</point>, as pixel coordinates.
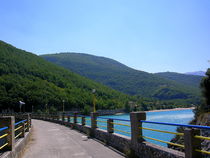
<point>50,140</point>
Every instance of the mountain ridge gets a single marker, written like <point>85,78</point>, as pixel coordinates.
<point>121,77</point>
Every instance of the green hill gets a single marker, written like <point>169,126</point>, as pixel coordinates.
<point>29,78</point>
<point>190,80</point>
<point>125,79</point>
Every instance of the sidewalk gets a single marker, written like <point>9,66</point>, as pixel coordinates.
<point>50,140</point>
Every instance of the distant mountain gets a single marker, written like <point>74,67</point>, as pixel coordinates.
<point>29,78</point>
<point>190,80</point>
<point>196,73</point>
<point>124,78</point>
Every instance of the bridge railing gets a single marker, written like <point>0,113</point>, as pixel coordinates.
<point>191,144</point>
<point>4,134</point>
<point>191,134</point>
<point>115,125</point>
<point>11,129</point>
<point>20,129</point>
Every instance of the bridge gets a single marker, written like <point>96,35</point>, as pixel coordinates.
<point>58,136</point>
<point>51,140</point>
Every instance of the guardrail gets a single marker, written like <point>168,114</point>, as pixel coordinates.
<point>20,128</point>
<point>191,134</point>
<point>10,131</point>
<point>113,126</point>
<point>4,144</point>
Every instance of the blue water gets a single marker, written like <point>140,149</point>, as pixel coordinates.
<point>181,117</point>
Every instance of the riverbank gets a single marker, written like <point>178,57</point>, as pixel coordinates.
<point>175,109</point>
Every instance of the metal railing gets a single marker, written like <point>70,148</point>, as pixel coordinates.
<point>12,131</point>
<point>3,136</point>
<point>102,125</point>
<point>116,125</point>
<point>176,124</point>
<point>19,128</point>
<point>176,133</point>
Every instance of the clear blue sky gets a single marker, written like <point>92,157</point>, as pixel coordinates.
<point>148,35</point>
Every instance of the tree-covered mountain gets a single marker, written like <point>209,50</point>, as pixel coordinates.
<point>190,80</point>
<point>29,78</point>
<point>125,79</point>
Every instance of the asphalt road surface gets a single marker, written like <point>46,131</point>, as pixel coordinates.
<point>50,140</point>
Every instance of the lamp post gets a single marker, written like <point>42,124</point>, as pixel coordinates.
<point>63,105</point>
<point>21,103</point>
<point>94,100</point>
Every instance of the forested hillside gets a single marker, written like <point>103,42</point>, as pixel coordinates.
<point>190,80</point>
<point>29,78</point>
<point>128,80</point>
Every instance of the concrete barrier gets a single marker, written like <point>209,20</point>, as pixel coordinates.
<point>13,147</point>
<point>19,147</point>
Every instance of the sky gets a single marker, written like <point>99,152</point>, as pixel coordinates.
<point>148,35</point>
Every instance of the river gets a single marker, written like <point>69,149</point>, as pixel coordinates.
<point>180,116</point>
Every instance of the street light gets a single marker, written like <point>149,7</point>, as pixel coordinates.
<point>94,100</point>
<point>21,103</point>
<point>63,105</point>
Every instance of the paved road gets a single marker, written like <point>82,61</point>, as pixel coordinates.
<point>50,140</point>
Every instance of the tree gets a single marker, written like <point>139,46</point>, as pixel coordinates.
<point>86,110</point>
<point>205,86</point>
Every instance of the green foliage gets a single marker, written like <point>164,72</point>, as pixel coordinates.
<point>190,80</point>
<point>52,109</point>
<point>127,107</point>
<point>27,77</point>
<point>86,110</point>
<point>205,86</point>
<point>164,86</point>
